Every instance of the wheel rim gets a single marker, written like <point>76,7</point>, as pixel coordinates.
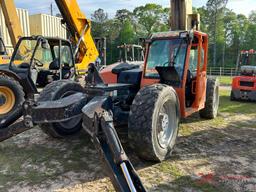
<point>70,124</point>
<point>166,124</point>
<point>7,100</point>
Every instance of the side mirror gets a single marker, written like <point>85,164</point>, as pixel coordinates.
<point>45,44</point>
<point>187,35</point>
<point>191,35</point>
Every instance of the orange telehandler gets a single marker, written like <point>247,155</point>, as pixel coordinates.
<point>244,84</point>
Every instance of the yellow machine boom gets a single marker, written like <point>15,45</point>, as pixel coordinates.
<point>12,20</point>
<point>80,29</point>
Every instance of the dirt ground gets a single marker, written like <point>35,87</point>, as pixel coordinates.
<point>213,155</point>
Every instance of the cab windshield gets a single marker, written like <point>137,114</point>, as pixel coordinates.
<point>28,52</point>
<point>164,53</point>
<point>25,51</point>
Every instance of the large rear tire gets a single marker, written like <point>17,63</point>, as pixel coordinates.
<point>212,100</point>
<point>11,96</point>
<point>154,122</point>
<point>54,91</point>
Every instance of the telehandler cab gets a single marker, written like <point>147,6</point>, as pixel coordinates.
<point>41,64</point>
<point>36,62</point>
<point>149,100</point>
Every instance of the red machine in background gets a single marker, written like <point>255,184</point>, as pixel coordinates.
<point>244,85</point>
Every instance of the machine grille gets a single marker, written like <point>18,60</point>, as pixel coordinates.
<point>246,83</point>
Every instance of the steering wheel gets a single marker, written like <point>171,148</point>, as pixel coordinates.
<point>167,63</point>
<point>38,63</point>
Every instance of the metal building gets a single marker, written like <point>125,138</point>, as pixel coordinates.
<point>47,25</point>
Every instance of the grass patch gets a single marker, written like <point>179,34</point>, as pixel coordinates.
<point>170,168</point>
<point>185,130</point>
<point>225,80</point>
<point>228,106</point>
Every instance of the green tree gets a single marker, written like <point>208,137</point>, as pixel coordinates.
<point>127,34</point>
<point>123,15</point>
<point>152,17</point>
<point>216,10</point>
<point>99,19</point>
<point>250,42</point>
<point>236,27</point>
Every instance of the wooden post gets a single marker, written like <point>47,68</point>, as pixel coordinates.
<point>180,11</point>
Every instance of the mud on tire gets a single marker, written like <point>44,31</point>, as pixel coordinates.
<point>55,91</point>
<point>154,113</point>
<point>10,92</point>
<point>212,100</point>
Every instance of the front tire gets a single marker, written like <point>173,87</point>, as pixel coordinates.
<point>54,91</point>
<point>154,122</point>
<point>210,110</point>
<point>11,96</point>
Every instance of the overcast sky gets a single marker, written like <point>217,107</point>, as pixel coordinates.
<point>89,6</point>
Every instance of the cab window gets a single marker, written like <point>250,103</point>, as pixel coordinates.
<point>164,53</point>
<point>66,55</point>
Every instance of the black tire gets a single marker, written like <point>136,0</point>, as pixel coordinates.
<point>17,92</point>
<point>212,100</point>
<point>55,91</point>
<point>144,119</point>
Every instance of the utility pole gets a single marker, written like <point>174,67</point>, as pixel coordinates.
<point>51,7</point>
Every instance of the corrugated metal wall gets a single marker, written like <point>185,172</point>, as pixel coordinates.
<point>24,19</point>
<point>47,25</point>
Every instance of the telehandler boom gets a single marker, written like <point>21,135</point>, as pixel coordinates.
<point>80,29</point>
<point>12,20</point>
<point>13,25</point>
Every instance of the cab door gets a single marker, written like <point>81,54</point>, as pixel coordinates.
<point>201,78</point>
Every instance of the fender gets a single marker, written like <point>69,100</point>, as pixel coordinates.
<point>7,72</point>
<point>26,83</point>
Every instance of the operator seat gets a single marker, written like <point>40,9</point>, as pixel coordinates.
<point>54,65</point>
<point>24,66</point>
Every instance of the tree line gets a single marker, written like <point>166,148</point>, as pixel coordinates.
<point>229,33</point>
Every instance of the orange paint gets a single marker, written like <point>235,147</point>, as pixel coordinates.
<point>200,80</point>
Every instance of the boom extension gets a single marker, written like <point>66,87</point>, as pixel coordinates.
<point>80,28</point>
<point>95,109</point>
<point>98,122</point>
